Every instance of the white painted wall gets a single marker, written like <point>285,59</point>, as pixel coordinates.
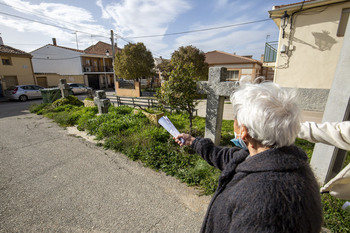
<point>52,59</point>
<point>315,49</point>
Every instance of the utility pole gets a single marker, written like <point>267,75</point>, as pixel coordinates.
<point>113,55</point>
<point>76,38</point>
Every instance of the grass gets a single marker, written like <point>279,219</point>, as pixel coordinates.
<point>133,135</point>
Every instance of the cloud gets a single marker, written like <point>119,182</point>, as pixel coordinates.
<point>65,16</point>
<point>239,39</point>
<point>53,11</point>
<point>105,14</point>
<point>145,17</point>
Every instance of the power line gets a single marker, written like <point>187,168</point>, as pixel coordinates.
<point>199,30</point>
<point>57,26</point>
<point>36,13</point>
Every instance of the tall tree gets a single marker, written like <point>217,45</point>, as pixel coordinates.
<point>186,55</point>
<point>133,62</point>
<point>180,91</point>
<point>191,54</point>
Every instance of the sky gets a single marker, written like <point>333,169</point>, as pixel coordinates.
<point>224,25</point>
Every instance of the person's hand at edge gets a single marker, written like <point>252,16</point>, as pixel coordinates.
<point>188,139</point>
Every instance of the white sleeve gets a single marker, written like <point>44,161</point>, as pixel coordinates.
<point>339,186</point>
<point>331,133</point>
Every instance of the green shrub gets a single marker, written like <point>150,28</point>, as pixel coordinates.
<point>35,108</point>
<point>72,100</point>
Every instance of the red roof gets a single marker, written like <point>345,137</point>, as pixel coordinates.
<point>219,57</point>
<point>75,50</point>
<point>9,50</point>
<point>100,48</point>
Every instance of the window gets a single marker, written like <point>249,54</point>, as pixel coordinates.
<point>233,75</point>
<point>6,61</point>
<point>343,22</point>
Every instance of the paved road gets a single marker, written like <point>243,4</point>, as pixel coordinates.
<point>54,182</point>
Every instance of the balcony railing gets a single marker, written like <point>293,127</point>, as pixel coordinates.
<point>270,51</point>
<point>99,69</point>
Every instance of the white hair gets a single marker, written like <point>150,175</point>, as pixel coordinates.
<point>269,112</point>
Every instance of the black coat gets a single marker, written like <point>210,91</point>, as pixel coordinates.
<point>273,191</point>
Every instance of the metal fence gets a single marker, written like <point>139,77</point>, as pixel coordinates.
<point>270,51</point>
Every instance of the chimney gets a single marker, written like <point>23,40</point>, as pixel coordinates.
<point>1,42</point>
<point>54,41</point>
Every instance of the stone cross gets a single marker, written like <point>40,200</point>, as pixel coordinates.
<point>216,89</point>
<point>64,87</point>
<point>327,160</point>
<point>102,102</point>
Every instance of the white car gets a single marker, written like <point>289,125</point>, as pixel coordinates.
<point>23,92</point>
<point>78,88</point>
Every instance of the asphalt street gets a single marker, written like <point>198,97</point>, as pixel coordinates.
<point>51,181</point>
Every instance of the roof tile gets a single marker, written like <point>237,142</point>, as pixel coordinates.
<point>219,57</point>
<point>9,50</point>
<point>100,48</point>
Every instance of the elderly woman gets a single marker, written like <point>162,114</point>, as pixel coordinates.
<point>266,184</point>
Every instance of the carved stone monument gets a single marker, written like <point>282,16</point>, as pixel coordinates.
<point>64,87</point>
<point>216,89</point>
<point>102,102</point>
<point>327,160</point>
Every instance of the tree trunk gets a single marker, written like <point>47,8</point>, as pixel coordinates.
<point>190,112</point>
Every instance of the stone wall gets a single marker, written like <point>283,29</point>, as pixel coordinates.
<point>310,99</point>
<point>135,92</point>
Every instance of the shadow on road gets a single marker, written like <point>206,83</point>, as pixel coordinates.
<point>15,108</point>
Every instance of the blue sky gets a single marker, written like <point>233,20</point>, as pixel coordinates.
<point>90,21</point>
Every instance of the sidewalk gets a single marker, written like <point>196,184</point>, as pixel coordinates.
<point>52,181</point>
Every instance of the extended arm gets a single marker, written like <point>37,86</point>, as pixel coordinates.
<point>331,133</point>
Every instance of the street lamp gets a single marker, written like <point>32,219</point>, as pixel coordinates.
<point>284,22</point>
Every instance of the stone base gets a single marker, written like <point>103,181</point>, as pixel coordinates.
<point>89,103</point>
<point>153,117</point>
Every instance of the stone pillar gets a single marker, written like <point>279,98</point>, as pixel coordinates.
<point>64,87</point>
<point>216,89</point>
<point>102,102</point>
<point>327,160</point>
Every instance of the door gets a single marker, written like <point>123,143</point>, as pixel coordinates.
<point>94,82</point>
<point>10,81</point>
<point>42,81</point>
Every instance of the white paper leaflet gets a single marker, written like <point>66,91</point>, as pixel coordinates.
<point>168,125</point>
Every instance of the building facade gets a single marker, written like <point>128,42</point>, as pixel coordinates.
<point>309,47</point>
<point>15,67</point>
<point>92,67</point>
<point>237,66</point>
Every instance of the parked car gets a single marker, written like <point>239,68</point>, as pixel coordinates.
<point>23,92</point>
<point>78,88</point>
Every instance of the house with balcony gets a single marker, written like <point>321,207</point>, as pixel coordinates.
<point>97,65</point>
<point>308,48</point>
<point>15,67</point>
<point>92,67</point>
<point>237,66</point>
